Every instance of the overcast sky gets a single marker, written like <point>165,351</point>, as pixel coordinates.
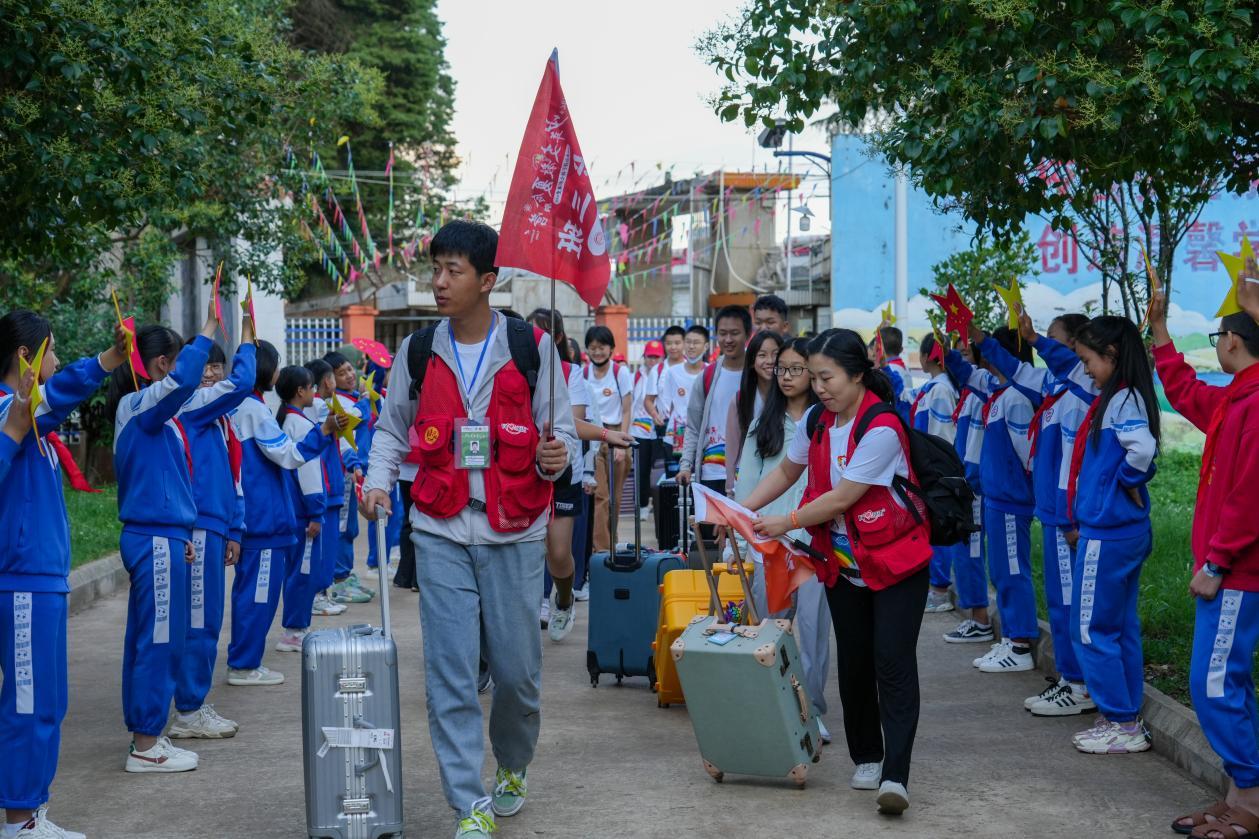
<point>635,85</point>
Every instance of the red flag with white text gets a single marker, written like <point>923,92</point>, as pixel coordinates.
<point>551,224</point>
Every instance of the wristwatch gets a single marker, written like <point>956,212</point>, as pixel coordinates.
<point>1212,570</point>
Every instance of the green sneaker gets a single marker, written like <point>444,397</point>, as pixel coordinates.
<point>479,824</point>
<point>343,592</point>
<point>510,790</point>
<point>354,581</point>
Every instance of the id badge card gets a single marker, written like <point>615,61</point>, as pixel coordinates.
<point>472,444</point>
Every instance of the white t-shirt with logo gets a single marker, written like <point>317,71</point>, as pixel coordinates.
<point>607,392</point>
<point>578,394</point>
<point>725,387</point>
<point>673,399</point>
<point>641,426</point>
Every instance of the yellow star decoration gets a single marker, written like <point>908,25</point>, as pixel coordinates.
<point>347,433</point>
<point>37,395</point>
<point>368,385</point>
<point>1013,297</point>
<point>889,316</point>
<point>1234,265</point>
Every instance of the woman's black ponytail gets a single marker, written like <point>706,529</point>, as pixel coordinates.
<point>152,341</point>
<point>291,380</point>
<point>848,351</point>
<point>1118,338</point>
<point>20,328</point>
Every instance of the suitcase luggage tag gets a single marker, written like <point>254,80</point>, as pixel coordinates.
<point>472,443</point>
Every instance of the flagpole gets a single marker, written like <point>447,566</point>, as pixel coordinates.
<point>550,406</point>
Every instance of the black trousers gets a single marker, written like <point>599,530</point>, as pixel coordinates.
<point>405,575</point>
<point>708,532</point>
<point>647,452</point>
<point>876,635</point>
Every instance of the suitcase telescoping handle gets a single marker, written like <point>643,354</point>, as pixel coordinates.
<point>714,606</point>
<point>382,569</point>
<point>714,598</point>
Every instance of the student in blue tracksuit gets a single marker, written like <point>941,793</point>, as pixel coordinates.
<point>393,528</point>
<point>266,451</point>
<point>894,366</point>
<point>296,389</point>
<point>1066,392</point>
<point>347,586</point>
<point>1005,468</point>
<point>153,463</point>
<point>931,411</point>
<point>1111,464</point>
<point>968,562</point>
<point>330,600</point>
<point>217,533</point>
<point>35,564</point>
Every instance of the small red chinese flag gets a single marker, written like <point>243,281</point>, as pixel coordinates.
<point>957,315</point>
<point>551,223</point>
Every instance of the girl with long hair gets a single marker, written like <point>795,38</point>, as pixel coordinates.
<point>35,558</point>
<point>856,451</point>
<point>754,388</point>
<point>1111,464</point>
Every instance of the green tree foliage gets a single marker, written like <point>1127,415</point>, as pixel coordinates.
<point>121,118</point>
<point>986,102</point>
<point>976,272</point>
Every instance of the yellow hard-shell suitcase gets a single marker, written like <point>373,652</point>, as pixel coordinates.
<point>683,595</point>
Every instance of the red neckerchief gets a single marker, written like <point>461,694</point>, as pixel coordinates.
<point>961,403</point>
<point>77,481</point>
<point>913,409</point>
<point>1033,430</point>
<point>183,438</point>
<point>897,361</point>
<point>1207,471</point>
<point>234,452</point>
<point>1077,454</point>
<point>992,400</point>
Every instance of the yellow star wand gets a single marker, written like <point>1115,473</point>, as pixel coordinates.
<point>1013,298</point>
<point>369,387</point>
<point>37,396</point>
<point>1234,265</point>
<point>347,433</point>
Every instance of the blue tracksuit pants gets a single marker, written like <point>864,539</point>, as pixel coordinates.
<point>205,593</point>
<point>329,547</point>
<point>1225,634</point>
<point>157,624</point>
<point>1010,567</point>
<point>1105,626</point>
<point>33,694</point>
<point>1059,595</point>
<point>348,528</point>
<point>942,566</point>
<point>393,529</point>
<point>968,565</point>
<point>255,596</point>
<point>300,566</point>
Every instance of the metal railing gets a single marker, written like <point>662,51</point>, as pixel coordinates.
<point>306,339</point>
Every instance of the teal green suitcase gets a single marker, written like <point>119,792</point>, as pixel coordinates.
<point>745,691</point>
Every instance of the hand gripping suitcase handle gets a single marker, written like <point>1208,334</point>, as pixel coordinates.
<point>382,569</point>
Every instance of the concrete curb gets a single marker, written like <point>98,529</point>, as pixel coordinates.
<point>96,579</point>
<point>1173,727</point>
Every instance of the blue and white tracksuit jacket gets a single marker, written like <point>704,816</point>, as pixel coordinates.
<point>269,521</point>
<point>1115,540</point>
<point>352,458</point>
<point>220,519</point>
<point>307,493</point>
<point>34,581</point>
<point>338,460</point>
<point>157,510</point>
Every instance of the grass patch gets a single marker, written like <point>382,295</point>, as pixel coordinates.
<point>1166,609</point>
<point>94,525</point>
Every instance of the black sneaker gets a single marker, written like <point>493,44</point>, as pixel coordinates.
<point>970,632</point>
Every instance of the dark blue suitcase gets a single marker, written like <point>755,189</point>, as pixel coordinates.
<point>625,605</point>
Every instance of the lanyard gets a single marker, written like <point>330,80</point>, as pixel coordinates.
<point>468,385</point>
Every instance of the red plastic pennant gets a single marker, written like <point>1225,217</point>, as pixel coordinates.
<point>137,363</point>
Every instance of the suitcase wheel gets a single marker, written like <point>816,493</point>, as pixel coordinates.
<point>716,773</point>
<point>618,681</point>
<point>592,667</point>
<point>719,777</point>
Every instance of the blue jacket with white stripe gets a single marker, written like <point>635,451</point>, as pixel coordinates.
<point>305,484</point>
<point>1120,459</point>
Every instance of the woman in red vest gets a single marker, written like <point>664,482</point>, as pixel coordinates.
<point>856,450</point>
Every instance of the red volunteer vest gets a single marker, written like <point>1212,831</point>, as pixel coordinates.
<point>515,495</point>
<point>888,543</point>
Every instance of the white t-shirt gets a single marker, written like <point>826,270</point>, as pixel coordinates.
<point>725,387</point>
<point>608,392</point>
<point>469,354</point>
<point>642,427</point>
<point>877,459</point>
<point>578,394</point>
<point>674,398</point>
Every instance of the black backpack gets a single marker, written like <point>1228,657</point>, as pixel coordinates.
<point>522,343</point>
<point>941,486</point>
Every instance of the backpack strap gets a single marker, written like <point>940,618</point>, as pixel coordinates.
<point>522,342</point>
<point>709,373</point>
<point>871,415</point>
<point>418,352</point>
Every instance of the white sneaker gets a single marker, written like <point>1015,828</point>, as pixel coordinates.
<point>202,724</point>
<point>995,651</point>
<point>562,620</point>
<point>39,827</point>
<point>291,641</point>
<point>970,632</point>
<point>163,757</point>
<point>1115,739</point>
<point>1053,687</point>
<point>1067,701</point>
<point>581,595</point>
<point>395,555</point>
<point>644,512</point>
<point>1008,662</point>
<point>258,676</point>
<point>823,732</point>
<point>1101,725</point>
<point>866,776</point>
<point>893,798</point>
<point>325,607</point>
<point>938,601</point>
<point>544,613</point>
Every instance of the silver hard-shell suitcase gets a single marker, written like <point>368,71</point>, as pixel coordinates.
<point>351,744</point>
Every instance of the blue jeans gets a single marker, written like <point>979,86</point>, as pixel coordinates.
<point>469,593</point>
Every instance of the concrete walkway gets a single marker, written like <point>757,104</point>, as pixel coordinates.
<point>611,763</point>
